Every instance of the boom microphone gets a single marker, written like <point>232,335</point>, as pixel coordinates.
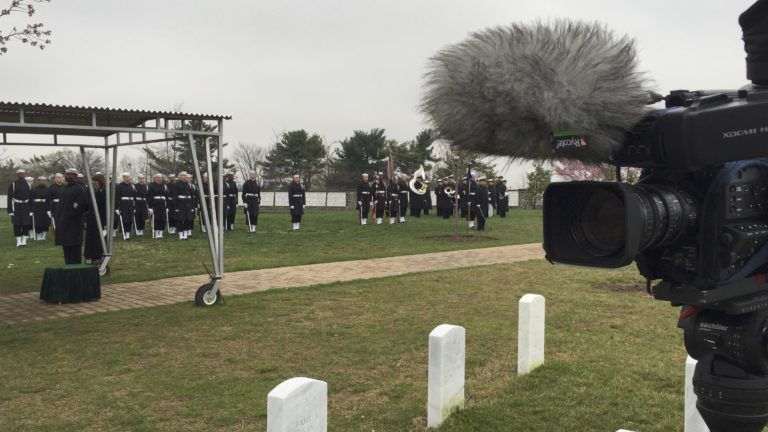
<point>541,91</point>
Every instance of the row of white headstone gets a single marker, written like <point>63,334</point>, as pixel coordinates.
<point>301,404</point>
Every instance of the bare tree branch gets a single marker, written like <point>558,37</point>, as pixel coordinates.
<point>33,34</point>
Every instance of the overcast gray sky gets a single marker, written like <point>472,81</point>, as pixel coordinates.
<point>327,66</point>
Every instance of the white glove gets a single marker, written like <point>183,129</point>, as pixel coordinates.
<point>10,214</point>
<point>359,203</point>
<point>31,214</point>
<point>151,211</point>
<point>103,233</point>
<point>118,212</point>
<point>49,213</point>
<point>245,205</point>
<point>291,207</point>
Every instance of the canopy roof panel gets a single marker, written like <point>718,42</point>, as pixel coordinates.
<point>36,118</point>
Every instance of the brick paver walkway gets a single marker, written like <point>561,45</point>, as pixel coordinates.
<point>26,307</point>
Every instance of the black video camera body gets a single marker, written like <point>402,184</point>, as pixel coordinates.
<point>697,219</point>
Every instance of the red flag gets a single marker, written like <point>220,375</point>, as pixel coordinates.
<point>390,168</point>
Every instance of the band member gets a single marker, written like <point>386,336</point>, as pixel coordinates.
<point>230,200</point>
<point>404,193</point>
<point>125,203</point>
<point>93,252</point>
<point>453,197</point>
<point>40,208</point>
<point>363,199</point>
<point>251,201</point>
<point>379,192</point>
<point>502,203</point>
<point>492,197</point>
<point>416,200</point>
<point>19,194</point>
<point>157,195</point>
<point>142,211</point>
<point>393,195</point>
<point>185,206</point>
<point>482,205</point>
<point>427,199</point>
<point>207,195</point>
<point>444,203</point>
<point>296,201</point>
<point>463,198</point>
<point>171,204</point>
<point>73,204</point>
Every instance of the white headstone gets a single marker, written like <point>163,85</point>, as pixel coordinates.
<point>530,333</point>
<point>298,405</point>
<point>446,373</point>
<point>693,420</point>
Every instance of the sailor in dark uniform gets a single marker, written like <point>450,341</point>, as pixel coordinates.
<point>142,211</point>
<point>40,208</point>
<point>92,251</point>
<point>379,193</point>
<point>207,195</point>
<point>404,192</point>
<point>185,206</point>
<point>393,197</point>
<point>52,199</point>
<point>73,204</point>
<point>195,203</point>
<point>463,193</point>
<point>157,196</point>
<point>171,204</point>
<point>296,200</point>
<point>19,194</point>
<point>363,199</point>
<point>251,201</point>
<point>427,199</point>
<point>230,201</point>
<point>125,203</point>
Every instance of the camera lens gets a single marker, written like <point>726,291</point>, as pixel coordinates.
<point>599,224</point>
<point>665,213</point>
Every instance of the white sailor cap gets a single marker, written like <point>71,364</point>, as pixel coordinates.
<point>365,174</point>
<point>126,174</point>
<point>42,178</point>
<point>481,178</point>
<point>79,175</point>
<point>20,171</point>
<point>71,170</point>
<point>29,178</point>
<point>171,175</point>
<point>157,175</point>
<point>58,175</point>
<point>141,176</point>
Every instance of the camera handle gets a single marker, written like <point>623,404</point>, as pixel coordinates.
<point>731,377</point>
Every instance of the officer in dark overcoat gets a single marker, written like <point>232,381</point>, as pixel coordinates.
<point>482,205</point>
<point>379,193</point>
<point>73,204</point>
<point>404,193</point>
<point>172,182</point>
<point>393,200</point>
<point>230,201</point>
<point>502,205</point>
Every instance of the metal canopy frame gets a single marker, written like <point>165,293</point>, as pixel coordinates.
<point>140,127</point>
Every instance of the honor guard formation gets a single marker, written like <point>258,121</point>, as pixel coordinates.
<point>171,204</point>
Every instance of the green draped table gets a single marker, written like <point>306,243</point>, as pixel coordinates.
<point>71,283</point>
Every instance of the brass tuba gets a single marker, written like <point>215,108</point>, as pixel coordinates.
<point>449,191</point>
<point>412,184</point>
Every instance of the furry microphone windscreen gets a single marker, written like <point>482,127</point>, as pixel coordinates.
<point>541,91</point>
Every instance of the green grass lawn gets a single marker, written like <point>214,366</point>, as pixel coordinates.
<point>325,236</point>
<point>614,357</point>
